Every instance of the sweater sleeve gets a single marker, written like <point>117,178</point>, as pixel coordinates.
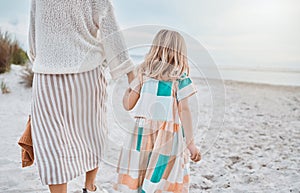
<point>115,49</point>
<point>31,35</point>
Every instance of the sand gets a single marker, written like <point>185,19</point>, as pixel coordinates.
<point>256,150</point>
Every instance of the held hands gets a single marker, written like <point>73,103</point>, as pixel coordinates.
<point>195,153</point>
<point>130,76</point>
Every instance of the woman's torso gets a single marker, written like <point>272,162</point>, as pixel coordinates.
<point>66,36</point>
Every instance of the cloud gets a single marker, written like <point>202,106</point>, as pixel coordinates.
<point>14,18</point>
<point>253,33</point>
<point>19,30</point>
<point>14,22</point>
<point>236,32</point>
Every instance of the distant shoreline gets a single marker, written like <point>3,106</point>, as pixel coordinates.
<point>249,83</point>
<point>269,75</point>
<point>226,81</point>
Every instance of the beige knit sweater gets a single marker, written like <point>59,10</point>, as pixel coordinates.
<point>73,36</point>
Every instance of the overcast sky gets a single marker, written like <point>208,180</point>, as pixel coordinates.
<point>236,32</point>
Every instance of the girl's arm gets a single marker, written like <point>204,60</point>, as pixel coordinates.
<point>132,94</point>
<point>186,121</point>
<point>130,98</point>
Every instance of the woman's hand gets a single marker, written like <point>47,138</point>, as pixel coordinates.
<point>195,153</point>
<point>130,76</point>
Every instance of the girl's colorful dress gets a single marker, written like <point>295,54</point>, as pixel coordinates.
<point>155,158</point>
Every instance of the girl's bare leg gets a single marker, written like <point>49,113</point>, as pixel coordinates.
<point>58,188</point>
<point>90,179</point>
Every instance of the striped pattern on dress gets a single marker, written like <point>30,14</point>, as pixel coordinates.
<point>68,123</point>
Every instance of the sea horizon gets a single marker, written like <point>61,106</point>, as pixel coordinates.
<point>288,75</point>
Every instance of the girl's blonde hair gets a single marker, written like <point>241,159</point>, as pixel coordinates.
<point>167,58</point>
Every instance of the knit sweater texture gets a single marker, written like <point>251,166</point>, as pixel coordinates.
<point>73,36</point>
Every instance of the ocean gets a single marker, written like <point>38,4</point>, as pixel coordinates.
<point>275,75</point>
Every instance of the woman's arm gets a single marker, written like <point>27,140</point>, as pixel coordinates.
<point>114,45</point>
<point>31,35</point>
<point>130,76</point>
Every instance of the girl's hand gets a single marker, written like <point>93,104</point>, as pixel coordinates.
<point>195,153</point>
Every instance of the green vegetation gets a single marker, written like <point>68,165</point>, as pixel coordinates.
<point>27,76</point>
<point>10,52</point>
<point>4,88</point>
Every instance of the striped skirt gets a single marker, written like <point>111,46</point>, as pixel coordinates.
<point>68,124</point>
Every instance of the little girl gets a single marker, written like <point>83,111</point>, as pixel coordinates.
<point>155,157</point>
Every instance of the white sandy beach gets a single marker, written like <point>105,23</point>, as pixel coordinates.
<point>257,149</point>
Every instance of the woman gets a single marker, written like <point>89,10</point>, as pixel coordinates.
<point>70,43</point>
